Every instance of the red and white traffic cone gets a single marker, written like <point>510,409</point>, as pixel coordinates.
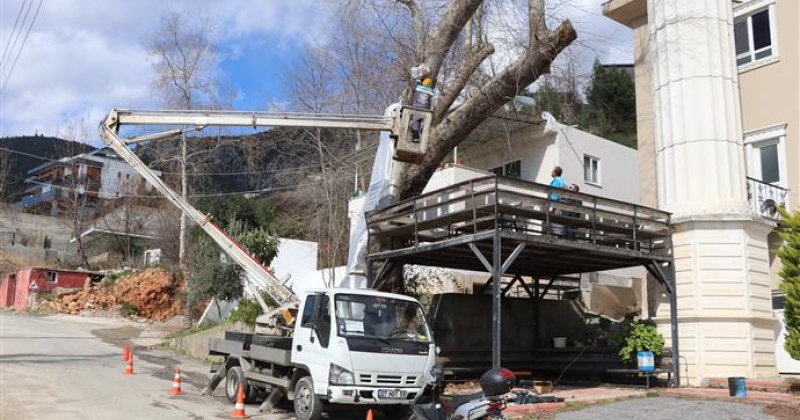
<point>369,414</point>
<point>238,408</point>
<point>176,383</point>
<point>129,367</point>
<point>126,352</point>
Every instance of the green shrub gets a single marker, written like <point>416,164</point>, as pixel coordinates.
<point>789,253</point>
<point>248,310</point>
<point>636,335</point>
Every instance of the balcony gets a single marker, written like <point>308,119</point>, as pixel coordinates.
<point>766,198</point>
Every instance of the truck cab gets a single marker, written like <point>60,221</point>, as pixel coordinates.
<point>359,347</point>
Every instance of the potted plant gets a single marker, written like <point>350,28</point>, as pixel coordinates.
<point>640,339</point>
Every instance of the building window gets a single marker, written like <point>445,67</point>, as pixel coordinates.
<point>754,33</point>
<point>766,157</point>
<point>510,169</point>
<point>52,276</point>
<point>591,169</point>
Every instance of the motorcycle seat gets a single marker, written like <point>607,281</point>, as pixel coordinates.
<point>458,400</point>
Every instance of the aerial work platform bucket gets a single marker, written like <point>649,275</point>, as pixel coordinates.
<point>412,135</point>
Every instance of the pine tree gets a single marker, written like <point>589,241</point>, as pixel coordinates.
<point>789,254</point>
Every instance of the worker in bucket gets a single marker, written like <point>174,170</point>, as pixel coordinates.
<point>423,98</point>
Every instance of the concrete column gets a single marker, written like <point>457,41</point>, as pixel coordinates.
<point>721,253</point>
<point>700,161</point>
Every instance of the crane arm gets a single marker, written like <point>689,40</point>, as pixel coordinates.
<point>119,117</point>
<point>198,119</point>
<point>251,266</point>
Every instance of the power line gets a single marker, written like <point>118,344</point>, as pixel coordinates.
<point>13,30</point>
<point>236,173</point>
<point>224,194</point>
<point>19,52</point>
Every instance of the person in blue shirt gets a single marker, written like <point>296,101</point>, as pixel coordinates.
<point>557,182</point>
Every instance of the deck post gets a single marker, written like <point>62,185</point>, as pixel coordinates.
<point>496,299</point>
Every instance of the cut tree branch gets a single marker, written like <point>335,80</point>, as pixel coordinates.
<point>419,27</point>
<point>454,90</point>
<point>451,24</point>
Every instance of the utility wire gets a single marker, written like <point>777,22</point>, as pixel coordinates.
<point>236,173</point>
<point>19,52</point>
<point>13,30</point>
<point>259,191</point>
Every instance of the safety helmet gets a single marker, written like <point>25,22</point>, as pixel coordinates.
<point>427,82</point>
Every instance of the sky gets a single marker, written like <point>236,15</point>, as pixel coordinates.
<point>84,57</point>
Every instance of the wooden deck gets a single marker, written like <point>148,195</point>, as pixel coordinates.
<point>568,232</point>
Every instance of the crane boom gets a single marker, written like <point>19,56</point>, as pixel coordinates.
<point>200,119</point>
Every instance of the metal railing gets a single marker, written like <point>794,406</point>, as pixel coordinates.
<point>513,205</point>
<point>765,198</point>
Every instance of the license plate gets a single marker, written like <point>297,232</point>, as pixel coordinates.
<point>392,393</point>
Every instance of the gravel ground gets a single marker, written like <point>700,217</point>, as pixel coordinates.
<point>664,408</point>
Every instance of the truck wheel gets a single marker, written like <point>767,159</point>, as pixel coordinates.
<point>307,406</point>
<point>233,378</point>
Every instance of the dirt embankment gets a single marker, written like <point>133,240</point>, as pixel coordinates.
<point>153,293</point>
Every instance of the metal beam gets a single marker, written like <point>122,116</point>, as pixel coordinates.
<point>496,301</point>
<point>512,257</point>
<point>547,288</point>
<point>203,118</point>
<point>481,258</point>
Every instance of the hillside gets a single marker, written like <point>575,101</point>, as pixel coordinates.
<point>43,146</point>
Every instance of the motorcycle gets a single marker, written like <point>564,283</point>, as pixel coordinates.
<point>487,404</point>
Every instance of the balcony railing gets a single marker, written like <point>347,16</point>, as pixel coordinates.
<point>765,198</point>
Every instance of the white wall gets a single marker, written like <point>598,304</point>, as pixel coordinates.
<point>540,148</point>
<point>113,185</point>
<point>618,164</point>
<point>297,259</point>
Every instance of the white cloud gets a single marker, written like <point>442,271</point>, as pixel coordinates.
<point>84,57</point>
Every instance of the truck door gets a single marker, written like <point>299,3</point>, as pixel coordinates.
<point>312,338</point>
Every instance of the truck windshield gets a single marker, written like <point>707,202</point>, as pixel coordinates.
<point>379,317</point>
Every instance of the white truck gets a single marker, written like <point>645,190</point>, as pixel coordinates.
<point>349,346</point>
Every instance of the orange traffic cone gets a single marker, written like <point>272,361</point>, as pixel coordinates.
<point>238,408</point>
<point>126,353</point>
<point>129,367</point>
<point>369,414</point>
<point>176,383</point>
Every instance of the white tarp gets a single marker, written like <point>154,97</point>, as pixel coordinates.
<point>380,193</point>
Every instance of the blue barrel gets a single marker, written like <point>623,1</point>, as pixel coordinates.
<point>737,386</point>
<point>646,361</point>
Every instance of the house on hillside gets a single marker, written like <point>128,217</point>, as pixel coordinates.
<point>755,46</point>
<point>17,288</point>
<point>86,180</point>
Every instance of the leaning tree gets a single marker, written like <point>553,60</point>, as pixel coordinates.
<point>451,125</point>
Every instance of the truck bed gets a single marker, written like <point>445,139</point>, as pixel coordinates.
<point>271,349</point>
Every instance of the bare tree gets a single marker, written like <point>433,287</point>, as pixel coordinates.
<point>76,189</point>
<point>450,125</point>
<point>187,75</point>
<point>365,65</point>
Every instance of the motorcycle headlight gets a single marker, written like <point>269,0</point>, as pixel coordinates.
<point>338,375</point>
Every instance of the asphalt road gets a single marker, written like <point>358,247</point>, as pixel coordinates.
<point>59,367</point>
<point>663,408</point>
